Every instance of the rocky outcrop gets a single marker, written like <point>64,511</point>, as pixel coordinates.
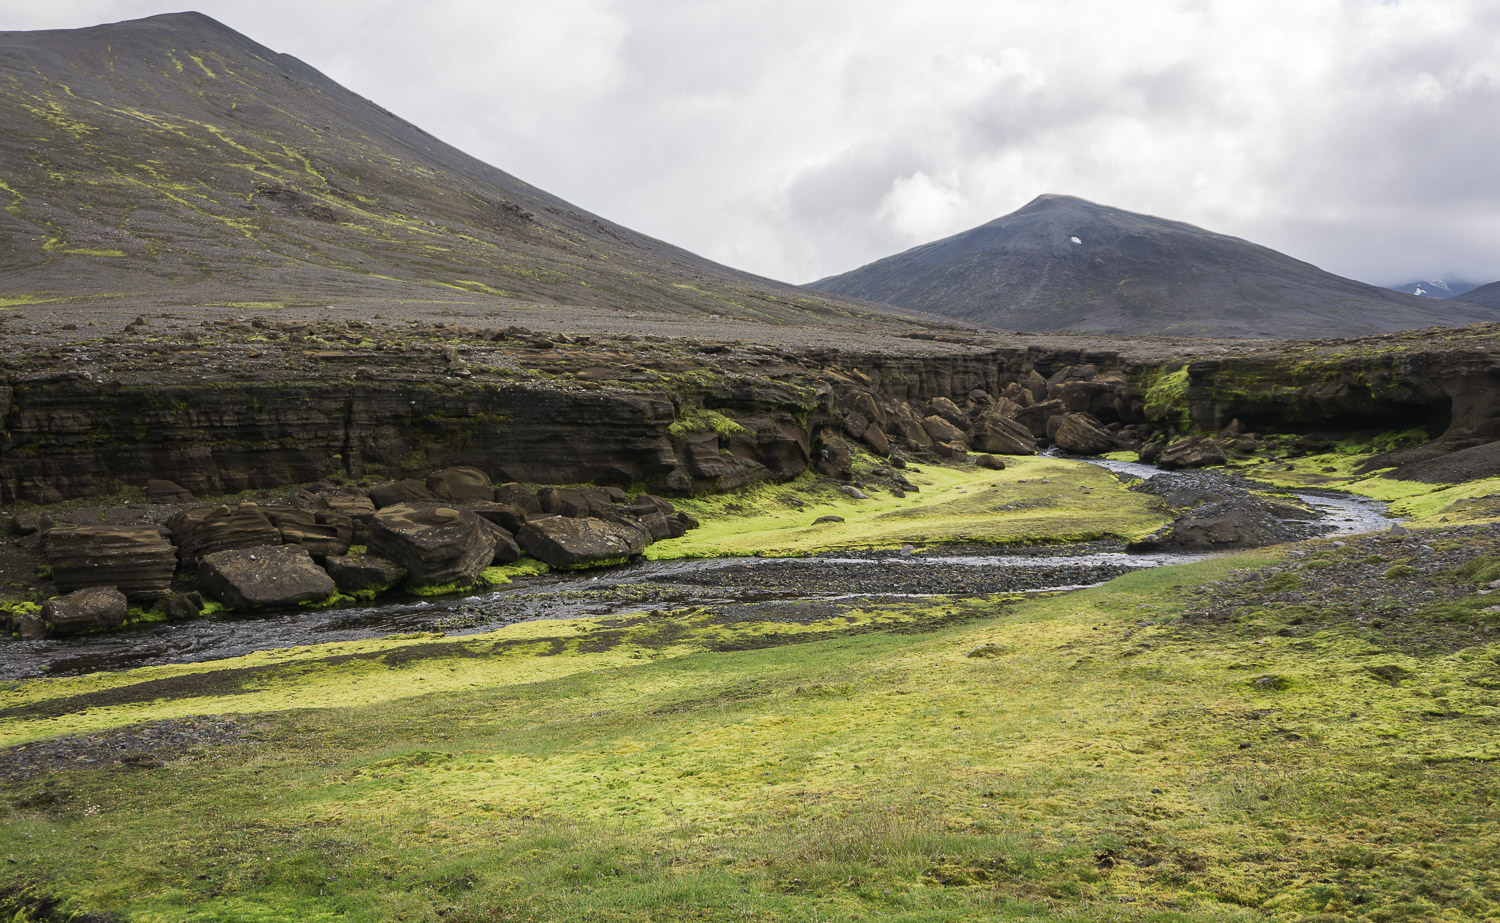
<point>436,544</point>
<point>1238,522</point>
<point>264,578</point>
<point>574,543</point>
<point>1002,435</point>
<point>92,609</point>
<point>137,560</point>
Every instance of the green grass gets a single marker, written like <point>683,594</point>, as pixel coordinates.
<point>1033,500</point>
<point>1104,761</point>
<point>1424,504</point>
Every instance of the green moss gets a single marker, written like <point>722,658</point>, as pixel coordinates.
<point>1033,500</point>
<point>440,589</point>
<point>501,574</point>
<point>1165,392</point>
<point>698,420</point>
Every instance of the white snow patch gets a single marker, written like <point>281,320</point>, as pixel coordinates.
<point>1075,240</point>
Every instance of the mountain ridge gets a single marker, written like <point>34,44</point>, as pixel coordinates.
<point>175,159</point>
<point>1062,263</point>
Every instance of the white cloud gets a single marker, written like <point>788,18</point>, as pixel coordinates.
<point>799,138</point>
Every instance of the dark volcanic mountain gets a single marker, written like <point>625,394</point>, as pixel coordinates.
<point>171,161</point>
<point>1061,263</point>
<point>1486,296</point>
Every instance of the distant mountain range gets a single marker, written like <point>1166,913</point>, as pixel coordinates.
<point>174,159</point>
<point>1065,264</point>
<point>1436,288</point>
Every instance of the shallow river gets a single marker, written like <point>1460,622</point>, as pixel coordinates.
<point>758,588</point>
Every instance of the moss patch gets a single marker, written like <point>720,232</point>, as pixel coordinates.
<point>1032,500</point>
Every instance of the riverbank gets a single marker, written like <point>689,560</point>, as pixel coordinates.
<point>1149,747</point>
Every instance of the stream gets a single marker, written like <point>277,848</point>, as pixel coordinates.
<point>787,589</point>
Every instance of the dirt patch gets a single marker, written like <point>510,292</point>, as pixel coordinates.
<point>143,746</point>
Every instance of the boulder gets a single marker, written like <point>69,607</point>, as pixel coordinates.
<point>865,403</point>
<point>363,573</point>
<point>578,501</point>
<point>182,606</point>
<point>855,424</point>
<point>84,610</point>
<point>1081,434</point>
<point>319,534</point>
<point>662,526</point>
<point>137,560</point>
<point>997,433</point>
<point>831,454</point>
<point>990,462</point>
<point>949,411</point>
<point>1192,452</point>
<point>517,495</point>
<point>506,549</point>
<point>405,491</point>
<point>905,425</point>
<point>875,440</point>
<point>29,522</point>
<point>574,543</point>
<point>1036,417</point>
<point>942,431</point>
<point>161,490</point>
<point>261,578</point>
<point>959,450</point>
<point>505,515</point>
<point>203,530</point>
<point>459,484</point>
<point>436,544</point>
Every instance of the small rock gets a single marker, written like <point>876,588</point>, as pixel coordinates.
<point>854,492</point>
<point>828,519</point>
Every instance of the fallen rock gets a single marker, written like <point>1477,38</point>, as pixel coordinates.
<point>261,578</point>
<point>517,495</point>
<point>84,610</point>
<point>940,430</point>
<point>363,573</point>
<point>436,544</point>
<point>853,492</point>
<point>136,560</point>
<point>945,408</point>
<point>505,515</point>
<point>506,549</point>
<point>29,522</point>
<point>203,530</point>
<point>319,534</point>
<point>831,455</point>
<point>459,484</point>
<point>577,501</point>
<point>828,519</point>
<point>1080,434</point>
<point>875,440</point>
<point>990,462</point>
<point>1192,452</point>
<point>1242,522</point>
<point>182,606</point>
<point>567,543</point>
<point>404,491</point>
<point>1002,435</point>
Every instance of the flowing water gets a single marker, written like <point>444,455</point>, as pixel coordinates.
<point>757,588</point>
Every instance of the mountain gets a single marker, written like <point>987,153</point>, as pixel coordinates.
<point>1064,264</point>
<point>1436,288</point>
<point>1486,296</point>
<point>175,161</point>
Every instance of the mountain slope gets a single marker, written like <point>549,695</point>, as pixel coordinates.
<point>1062,263</point>
<point>1435,288</point>
<point>1485,296</point>
<point>172,158</point>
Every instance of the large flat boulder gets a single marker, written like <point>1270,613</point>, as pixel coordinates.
<point>1191,452</point>
<point>264,578</point>
<point>136,560</point>
<point>92,609</point>
<point>318,533</point>
<point>573,543</point>
<point>436,544</point>
<point>203,530</point>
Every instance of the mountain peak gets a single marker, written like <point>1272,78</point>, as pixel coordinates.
<point>1062,263</point>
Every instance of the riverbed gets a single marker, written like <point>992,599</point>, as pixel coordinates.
<point>769,589</point>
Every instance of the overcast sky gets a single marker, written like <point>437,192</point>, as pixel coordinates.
<point>801,138</point>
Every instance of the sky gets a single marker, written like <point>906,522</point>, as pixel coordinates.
<point>802,138</point>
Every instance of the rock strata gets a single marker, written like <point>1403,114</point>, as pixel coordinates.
<point>137,560</point>
<point>91,609</point>
<point>436,544</point>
